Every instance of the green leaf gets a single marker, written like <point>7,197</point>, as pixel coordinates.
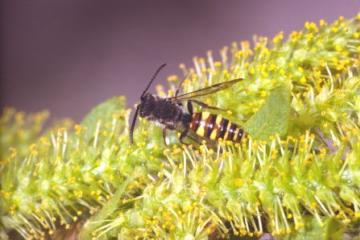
<point>98,219</point>
<point>104,112</point>
<point>329,229</point>
<point>273,117</point>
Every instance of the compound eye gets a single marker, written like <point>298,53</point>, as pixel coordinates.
<point>141,111</point>
<point>146,105</point>
<point>144,110</point>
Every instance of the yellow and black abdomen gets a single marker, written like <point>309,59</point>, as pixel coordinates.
<point>213,126</point>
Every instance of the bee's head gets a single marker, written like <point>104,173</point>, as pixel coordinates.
<point>147,105</point>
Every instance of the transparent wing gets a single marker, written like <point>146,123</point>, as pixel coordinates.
<point>207,90</point>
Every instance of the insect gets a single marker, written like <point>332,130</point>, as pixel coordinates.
<point>171,114</point>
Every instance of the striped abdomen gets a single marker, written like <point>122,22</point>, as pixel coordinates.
<point>215,127</point>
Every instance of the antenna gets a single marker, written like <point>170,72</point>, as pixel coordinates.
<point>152,79</point>
<point>131,132</point>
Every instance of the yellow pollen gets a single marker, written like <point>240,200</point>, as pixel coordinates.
<point>217,64</point>
<point>78,129</point>
<point>295,36</point>
<point>238,182</point>
<point>172,78</point>
<point>322,23</point>
<point>278,38</point>
<point>303,80</point>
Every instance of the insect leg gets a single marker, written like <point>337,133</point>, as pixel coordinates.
<point>164,135</point>
<point>204,105</point>
<point>183,135</point>
<point>190,108</point>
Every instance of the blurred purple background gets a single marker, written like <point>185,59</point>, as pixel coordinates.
<point>67,56</point>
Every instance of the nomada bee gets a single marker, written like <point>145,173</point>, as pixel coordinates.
<point>170,113</point>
